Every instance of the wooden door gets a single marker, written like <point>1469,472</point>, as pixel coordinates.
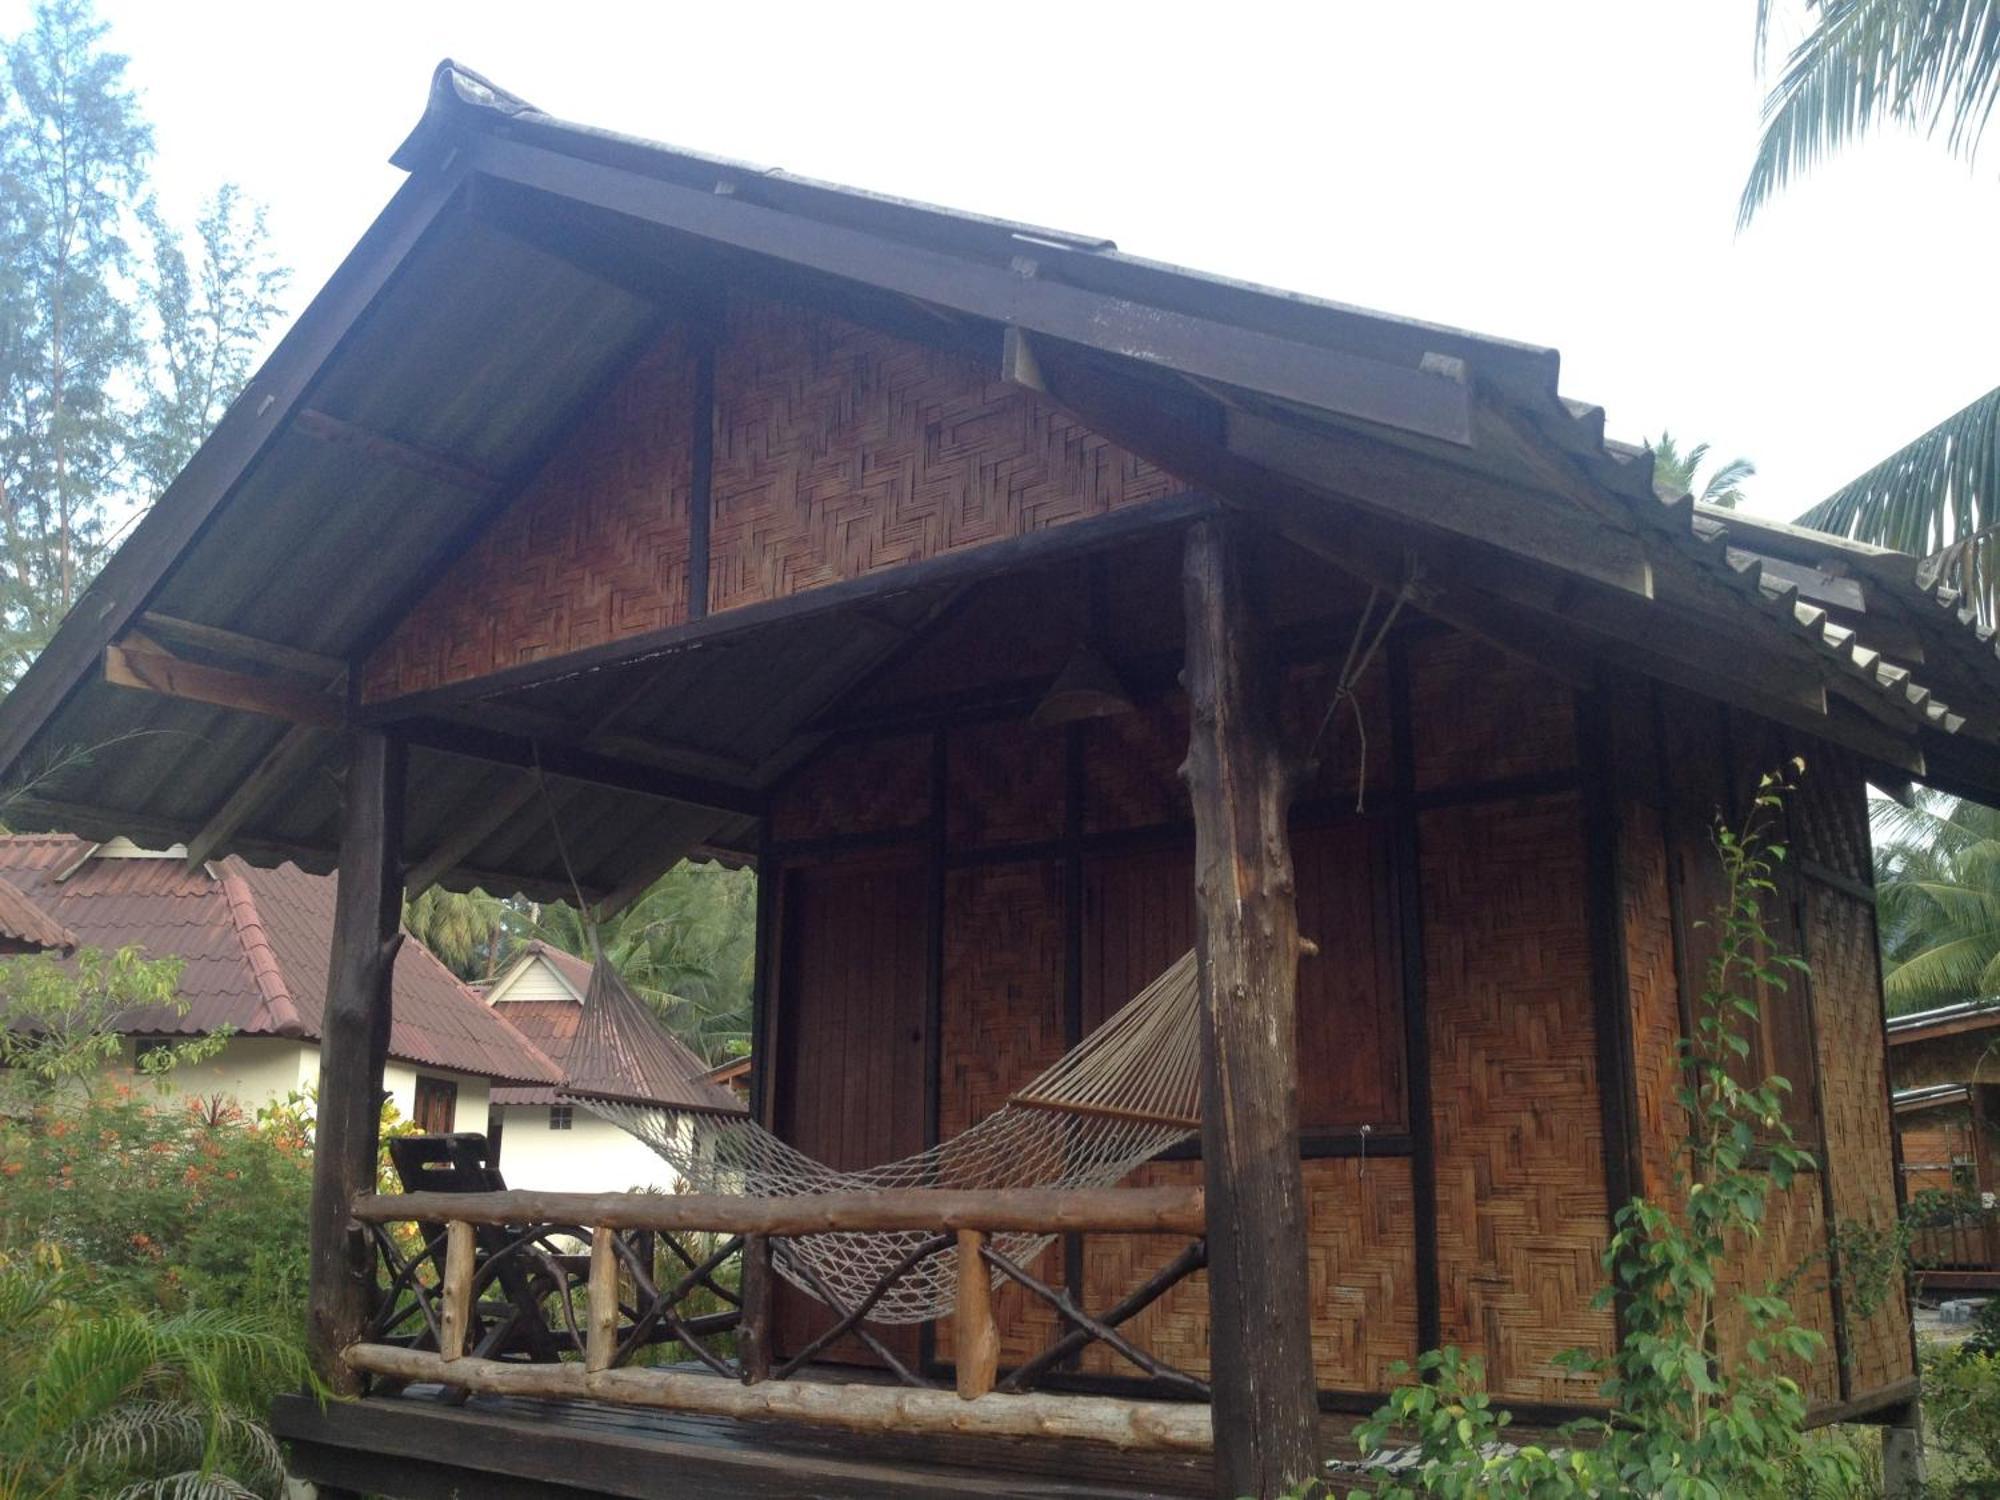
<point>851,1038</point>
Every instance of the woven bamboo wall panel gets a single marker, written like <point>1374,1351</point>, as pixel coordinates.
<point>1654,987</point>
<point>1789,1256</point>
<point>841,451</point>
<point>1830,812</point>
<point>1840,935</point>
<point>1478,714</point>
<point>1932,1147</point>
<point>1348,757</point>
<point>1175,1328</point>
<point>1350,1012</point>
<point>1002,1023</point>
<point>1361,1251</point>
<point>856,786</point>
<point>595,549</point>
<point>1522,1214</point>
<point>1004,784</point>
<point>1132,767</point>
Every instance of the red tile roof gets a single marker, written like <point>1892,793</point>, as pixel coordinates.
<point>25,926</point>
<point>254,947</point>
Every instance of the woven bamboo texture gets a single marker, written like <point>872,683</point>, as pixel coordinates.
<point>856,786</point>
<point>1361,1249</point>
<point>1004,784</point>
<point>1344,760</point>
<point>1479,714</point>
<point>841,451</point>
<point>1654,988</point>
<point>1841,948</point>
<point>1002,1024</point>
<point>1789,1255</point>
<point>1522,1213</point>
<point>1350,1013</point>
<point>1830,813</point>
<point>595,549</point>
<point>1932,1148</point>
<point>1132,766</point>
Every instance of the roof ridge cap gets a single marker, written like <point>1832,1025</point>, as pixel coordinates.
<point>259,953</point>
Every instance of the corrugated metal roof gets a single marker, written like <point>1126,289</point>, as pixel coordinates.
<point>254,946</point>
<point>500,316</point>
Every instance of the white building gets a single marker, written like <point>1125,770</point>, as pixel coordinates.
<point>254,945</point>
<point>542,1142</point>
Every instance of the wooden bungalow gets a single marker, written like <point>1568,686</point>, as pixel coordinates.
<point>1942,1064</point>
<point>1029,613</point>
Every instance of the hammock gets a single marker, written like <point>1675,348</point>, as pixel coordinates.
<point>1126,1093</point>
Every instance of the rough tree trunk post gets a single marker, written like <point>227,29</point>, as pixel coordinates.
<point>354,1045</point>
<point>1241,780</point>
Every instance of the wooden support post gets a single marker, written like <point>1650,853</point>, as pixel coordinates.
<point>753,1332</point>
<point>602,1338</point>
<point>455,1316</point>
<point>354,1046</point>
<point>1242,780</point>
<point>975,1336</point>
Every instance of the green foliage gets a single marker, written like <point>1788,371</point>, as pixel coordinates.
<point>57,1018</point>
<point>1684,1422</point>
<point>99,1400</point>
<point>1962,1412</point>
<point>1926,65</point>
<point>1937,891</point>
<point>469,931</point>
<point>1678,472</point>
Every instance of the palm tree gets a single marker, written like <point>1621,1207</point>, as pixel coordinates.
<point>1928,65</point>
<point>466,929</point>
<point>1937,889</point>
<point>134,1402</point>
<point>1677,471</point>
<point>1933,66</point>
<point>1938,498</point>
<point>686,947</point>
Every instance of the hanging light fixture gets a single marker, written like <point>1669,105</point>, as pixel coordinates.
<point>1086,688</point>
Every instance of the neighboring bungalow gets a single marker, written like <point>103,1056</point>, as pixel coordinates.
<point>1945,1067</point>
<point>26,928</point>
<point>540,1140</point>
<point>254,945</point>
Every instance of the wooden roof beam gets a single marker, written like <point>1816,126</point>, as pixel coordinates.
<point>380,447</point>
<point>139,664</point>
<point>297,750</point>
<point>1370,389</point>
<point>574,764</point>
<point>495,810</point>
<point>239,647</point>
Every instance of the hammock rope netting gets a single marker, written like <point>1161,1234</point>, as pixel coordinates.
<point>1130,1090</point>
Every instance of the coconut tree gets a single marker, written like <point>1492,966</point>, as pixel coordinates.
<point>466,929</point>
<point>1678,471</point>
<point>1937,886</point>
<point>1932,66</point>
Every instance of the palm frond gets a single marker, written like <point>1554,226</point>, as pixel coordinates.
<point>1926,64</point>
<point>191,1485</point>
<point>1939,975</point>
<point>1937,497</point>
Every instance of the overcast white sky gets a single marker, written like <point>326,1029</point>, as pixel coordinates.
<point>1563,173</point>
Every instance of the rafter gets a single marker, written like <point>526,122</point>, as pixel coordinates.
<point>425,463</point>
<point>146,667</point>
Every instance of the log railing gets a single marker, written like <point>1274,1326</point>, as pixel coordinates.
<point>561,1294</point>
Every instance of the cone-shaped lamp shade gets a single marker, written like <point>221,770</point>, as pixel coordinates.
<point>1086,688</point>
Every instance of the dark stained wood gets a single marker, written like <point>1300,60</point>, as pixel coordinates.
<point>1611,1006</point>
<point>753,1333</point>
<point>851,1035</point>
<point>1393,395</point>
<point>156,671</point>
<point>577,764</point>
<point>234,644</point>
<point>385,449</point>
<point>354,1047</point>
<point>581,1448</point>
<point>1241,780</point>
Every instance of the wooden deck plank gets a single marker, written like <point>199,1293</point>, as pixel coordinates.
<point>413,1447</point>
